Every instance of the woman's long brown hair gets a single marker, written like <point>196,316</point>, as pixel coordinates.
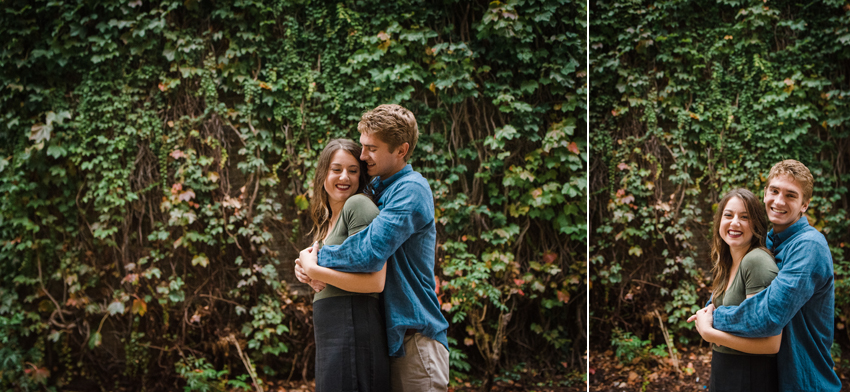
<point>720,252</point>
<point>320,205</point>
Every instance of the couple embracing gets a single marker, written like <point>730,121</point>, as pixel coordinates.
<point>770,320</point>
<point>377,320</point>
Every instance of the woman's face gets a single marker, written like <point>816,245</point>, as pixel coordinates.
<point>343,177</point>
<point>735,227</point>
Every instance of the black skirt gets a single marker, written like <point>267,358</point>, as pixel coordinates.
<point>743,373</point>
<point>351,344</point>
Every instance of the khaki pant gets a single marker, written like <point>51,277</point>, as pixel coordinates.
<point>424,367</point>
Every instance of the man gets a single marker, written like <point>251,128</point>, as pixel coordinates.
<point>403,235</point>
<point>801,298</point>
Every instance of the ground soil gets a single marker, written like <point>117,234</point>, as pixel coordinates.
<point>499,386</point>
<point>608,375</point>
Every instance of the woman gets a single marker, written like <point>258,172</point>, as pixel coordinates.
<point>351,341</point>
<point>742,268</point>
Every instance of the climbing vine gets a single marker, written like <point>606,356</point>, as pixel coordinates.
<point>690,100</point>
<point>156,161</point>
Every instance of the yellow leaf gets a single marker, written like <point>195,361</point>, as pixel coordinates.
<point>139,307</point>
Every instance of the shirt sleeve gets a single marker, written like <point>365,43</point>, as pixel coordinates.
<point>766,313</point>
<point>403,214</point>
<point>358,213</point>
<point>758,270</point>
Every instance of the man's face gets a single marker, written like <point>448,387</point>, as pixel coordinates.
<point>783,199</point>
<point>380,161</point>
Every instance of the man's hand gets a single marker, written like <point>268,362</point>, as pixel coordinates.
<point>309,259</point>
<point>301,271</point>
<point>704,322</point>
<point>300,274</point>
<point>709,308</point>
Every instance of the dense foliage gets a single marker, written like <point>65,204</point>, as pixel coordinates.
<point>690,99</point>
<point>155,166</point>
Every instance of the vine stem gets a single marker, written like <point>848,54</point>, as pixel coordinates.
<point>247,362</point>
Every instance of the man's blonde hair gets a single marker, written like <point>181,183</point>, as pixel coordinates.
<point>798,171</point>
<point>393,125</point>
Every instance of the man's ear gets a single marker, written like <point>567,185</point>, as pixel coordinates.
<point>805,206</point>
<point>402,149</point>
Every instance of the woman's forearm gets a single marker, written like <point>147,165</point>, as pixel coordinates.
<point>371,282</point>
<point>768,345</point>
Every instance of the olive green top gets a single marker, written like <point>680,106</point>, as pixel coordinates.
<point>356,214</point>
<point>755,273</point>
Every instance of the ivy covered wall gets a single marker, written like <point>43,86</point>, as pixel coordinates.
<point>155,167</point>
<point>690,99</point>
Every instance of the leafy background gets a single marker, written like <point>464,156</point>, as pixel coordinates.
<point>690,99</point>
<point>155,167</point>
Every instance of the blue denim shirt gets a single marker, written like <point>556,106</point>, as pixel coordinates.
<point>405,236</point>
<point>801,299</point>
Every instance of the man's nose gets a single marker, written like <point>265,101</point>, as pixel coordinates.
<point>363,154</point>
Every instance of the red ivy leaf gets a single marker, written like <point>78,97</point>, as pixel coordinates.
<point>563,297</point>
<point>573,147</point>
<point>132,278</point>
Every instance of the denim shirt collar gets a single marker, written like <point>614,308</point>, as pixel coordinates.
<point>381,184</point>
<point>778,238</point>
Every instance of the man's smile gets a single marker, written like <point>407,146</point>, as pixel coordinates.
<point>778,211</point>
